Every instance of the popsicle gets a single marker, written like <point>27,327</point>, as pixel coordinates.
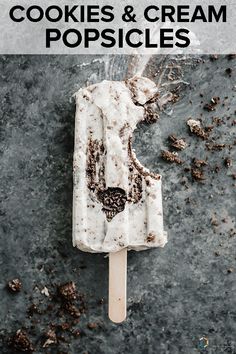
<point>117,202</point>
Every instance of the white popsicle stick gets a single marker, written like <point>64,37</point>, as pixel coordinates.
<point>117,285</point>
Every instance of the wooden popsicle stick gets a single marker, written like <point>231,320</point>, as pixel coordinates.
<point>117,285</point>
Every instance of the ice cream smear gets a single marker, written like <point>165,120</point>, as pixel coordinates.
<point>117,203</point>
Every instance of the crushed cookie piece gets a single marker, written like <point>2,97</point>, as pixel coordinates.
<point>45,291</point>
<point>33,309</point>
<point>228,162</point>
<point>179,144</point>
<point>212,105</point>
<point>151,237</point>
<point>68,291</point>
<point>232,233</point>
<point>217,254</point>
<point>113,201</point>
<point>215,147</point>
<point>76,333</point>
<point>136,188</point>
<point>196,128</point>
<point>92,325</point>
<point>214,57</point>
<point>150,116</point>
<point>171,157</point>
<point>14,285</point>
<point>64,326</point>
<point>209,128</point>
<point>197,174</point>
<point>229,71</point>
<point>199,163</point>
<point>72,310</point>
<point>214,222</point>
<point>231,56</point>
<point>21,342</point>
<point>218,121</point>
<point>51,338</point>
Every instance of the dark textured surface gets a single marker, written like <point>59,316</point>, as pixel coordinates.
<point>176,295</point>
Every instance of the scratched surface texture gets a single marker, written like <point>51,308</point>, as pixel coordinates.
<point>181,299</point>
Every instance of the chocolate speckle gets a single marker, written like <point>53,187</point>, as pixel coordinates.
<point>151,237</point>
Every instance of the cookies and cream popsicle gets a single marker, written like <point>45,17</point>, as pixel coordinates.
<point>117,203</point>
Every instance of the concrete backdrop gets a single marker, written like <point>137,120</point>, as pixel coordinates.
<point>176,295</point>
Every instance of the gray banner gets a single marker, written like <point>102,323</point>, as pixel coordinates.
<point>117,27</point>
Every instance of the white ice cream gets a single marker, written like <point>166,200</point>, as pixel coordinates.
<point>117,202</point>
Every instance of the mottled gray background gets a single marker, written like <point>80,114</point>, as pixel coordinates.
<point>177,294</point>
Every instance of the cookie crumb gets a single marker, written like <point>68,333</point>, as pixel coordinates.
<point>231,56</point>
<point>45,292</point>
<point>33,309</point>
<point>196,128</point>
<point>14,285</point>
<point>179,144</point>
<point>229,71</point>
<point>150,116</point>
<point>151,237</point>
<point>215,147</point>
<point>171,157</point>
<point>212,105</point>
<point>68,291</point>
<point>72,310</point>
<point>101,301</point>
<point>214,57</point>
<point>228,162</point>
<point>197,174</point>
<point>199,163</point>
<point>21,342</point>
<point>64,326</point>
<point>214,222</point>
<point>92,325</point>
<point>51,338</point>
